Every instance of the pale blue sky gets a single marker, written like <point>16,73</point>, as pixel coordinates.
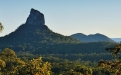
<point>66,16</point>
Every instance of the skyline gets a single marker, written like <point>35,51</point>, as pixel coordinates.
<point>66,17</point>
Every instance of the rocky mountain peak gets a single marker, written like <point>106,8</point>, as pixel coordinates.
<point>35,18</point>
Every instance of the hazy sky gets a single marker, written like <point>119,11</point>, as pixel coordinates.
<point>65,16</point>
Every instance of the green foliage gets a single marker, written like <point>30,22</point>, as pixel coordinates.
<point>10,64</point>
<point>36,67</point>
<point>115,50</point>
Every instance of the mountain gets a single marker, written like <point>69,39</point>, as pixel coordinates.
<point>91,38</point>
<point>36,38</point>
<point>116,39</point>
<point>35,31</point>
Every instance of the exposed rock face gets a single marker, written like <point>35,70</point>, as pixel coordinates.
<point>35,18</point>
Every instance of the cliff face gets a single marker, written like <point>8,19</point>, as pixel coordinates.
<point>35,18</point>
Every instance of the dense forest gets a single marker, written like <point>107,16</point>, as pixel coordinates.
<point>58,64</point>
<point>47,48</point>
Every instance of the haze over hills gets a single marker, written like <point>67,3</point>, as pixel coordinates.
<point>91,38</point>
<point>35,37</point>
<point>116,39</point>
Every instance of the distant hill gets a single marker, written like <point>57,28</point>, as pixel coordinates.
<point>116,39</point>
<point>91,38</point>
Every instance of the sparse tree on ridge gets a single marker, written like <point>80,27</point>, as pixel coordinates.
<point>1,27</point>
